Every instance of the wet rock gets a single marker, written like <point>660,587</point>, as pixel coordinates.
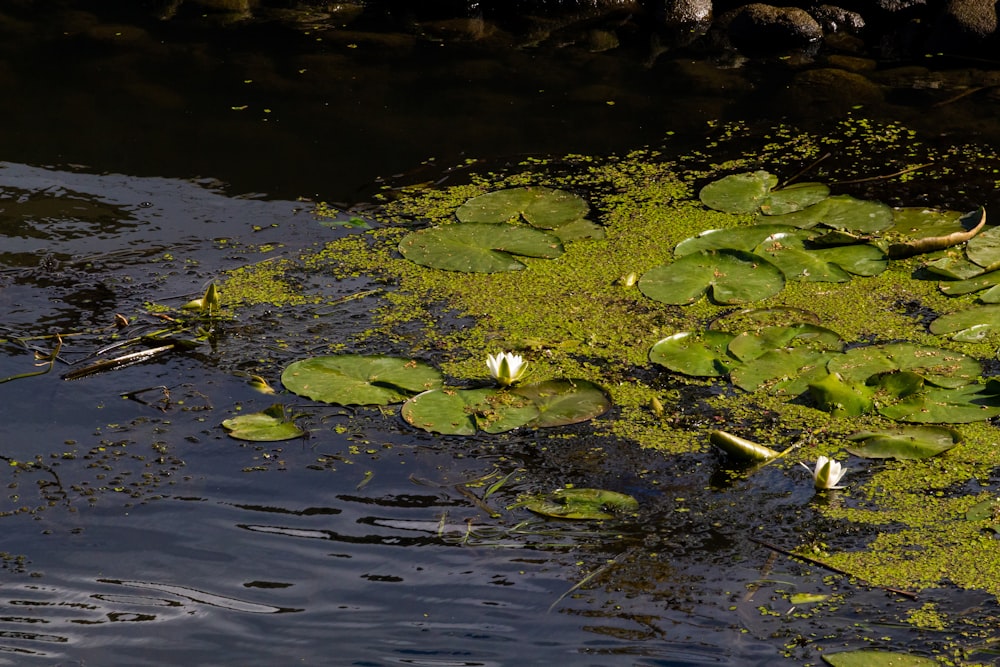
<point>897,6</point>
<point>851,63</point>
<point>761,28</point>
<point>837,19</point>
<point>686,12</point>
<point>964,27</point>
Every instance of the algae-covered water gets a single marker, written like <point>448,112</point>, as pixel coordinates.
<point>148,158</point>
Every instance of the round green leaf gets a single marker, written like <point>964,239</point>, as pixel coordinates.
<point>738,193</point>
<point>859,215</point>
<point>478,248</point>
<point>591,504</point>
<point>271,425</point>
<point>983,281</point>
<point>732,276</point>
<point>794,198</point>
<point>752,344</point>
<point>906,442</point>
<point>542,207</point>
<point>970,325</point>
<point>792,368</point>
<point>352,379</point>
<point>562,402</point>
<point>736,238</point>
<point>984,249</point>
<point>540,405</point>
<point>971,403</point>
<point>702,354</point>
<point>876,658</point>
<point>944,368</point>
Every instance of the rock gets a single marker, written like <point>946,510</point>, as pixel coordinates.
<point>764,28</point>
<point>836,19</point>
<point>829,91</point>
<point>964,26</point>
<point>686,12</point>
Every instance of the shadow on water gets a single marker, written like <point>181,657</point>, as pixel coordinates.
<point>137,533</point>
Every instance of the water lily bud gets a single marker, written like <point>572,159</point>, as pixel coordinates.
<point>827,473</point>
<point>506,367</point>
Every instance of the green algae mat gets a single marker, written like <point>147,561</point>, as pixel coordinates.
<point>803,292</point>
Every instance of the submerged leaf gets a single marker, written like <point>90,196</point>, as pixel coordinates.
<point>906,442</point>
<point>573,503</point>
<point>478,248</point>
<point>353,379</point>
<point>271,425</point>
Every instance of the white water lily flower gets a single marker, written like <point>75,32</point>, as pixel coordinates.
<point>827,473</point>
<point>506,367</point>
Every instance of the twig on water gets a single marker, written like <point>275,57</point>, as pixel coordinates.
<point>831,568</point>
<point>804,171</point>
<point>885,176</point>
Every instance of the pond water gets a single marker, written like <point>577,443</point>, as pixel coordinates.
<point>142,157</point>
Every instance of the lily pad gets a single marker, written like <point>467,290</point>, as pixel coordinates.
<point>987,510</point>
<point>984,281</point>
<point>738,193</point>
<point>984,249</point>
<point>970,325</point>
<point>587,504</point>
<point>787,371</point>
<point>907,442</point>
<point>933,230</point>
<point>841,398</point>
<point>546,208</point>
<point>352,379</point>
<point>841,212</point>
<point>740,448</point>
<point>962,405</point>
<point>876,658</point>
<point>736,238</point>
<point>701,354</point>
<point>731,276</point>
<point>944,368</point>
<point>753,344</point>
<point>271,425</point>
<point>478,248</point>
<point>540,405</point>
<point>794,198</point>
<point>787,251</point>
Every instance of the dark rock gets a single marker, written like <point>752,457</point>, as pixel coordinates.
<point>686,12</point>
<point>964,26</point>
<point>836,19</point>
<point>766,29</point>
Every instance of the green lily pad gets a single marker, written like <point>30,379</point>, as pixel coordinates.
<point>587,504</point>
<point>840,398</point>
<point>271,425</point>
<point>731,276</point>
<point>352,379</point>
<point>787,371</point>
<point>984,249</point>
<point>970,325</point>
<point>787,251</point>
<point>736,238</point>
<point>740,448</point>
<point>944,368</point>
<point>738,193</point>
<point>701,354</point>
<point>987,510</point>
<point>876,658</point>
<point>541,405</point>
<point>906,442</point>
<point>984,281</point>
<point>954,267</point>
<point>792,198</point>
<point>753,344</point>
<point>546,208</point>
<point>930,230</point>
<point>841,212</point>
<point>962,405</point>
<point>478,248</point>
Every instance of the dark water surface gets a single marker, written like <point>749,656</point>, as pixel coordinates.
<point>142,535</point>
